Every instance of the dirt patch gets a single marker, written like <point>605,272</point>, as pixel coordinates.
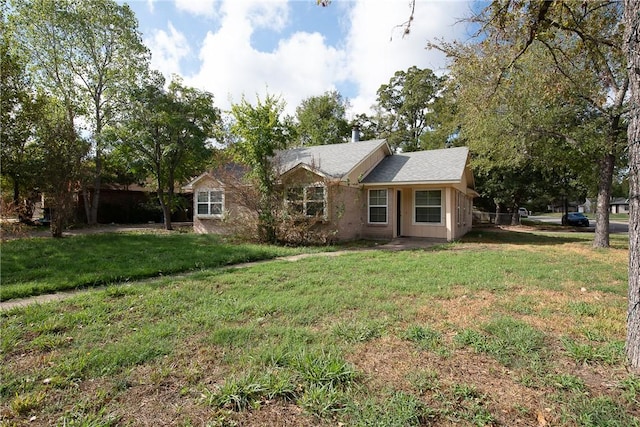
<point>389,362</point>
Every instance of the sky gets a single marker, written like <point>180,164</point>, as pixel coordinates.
<point>295,49</point>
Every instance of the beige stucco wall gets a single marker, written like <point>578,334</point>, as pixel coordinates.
<point>451,227</point>
<point>205,225</point>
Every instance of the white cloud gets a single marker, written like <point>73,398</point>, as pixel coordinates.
<point>377,49</point>
<point>303,64</point>
<point>300,66</point>
<point>197,7</point>
<point>167,49</point>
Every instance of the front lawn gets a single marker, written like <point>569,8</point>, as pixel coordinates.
<point>504,328</point>
<point>43,265</point>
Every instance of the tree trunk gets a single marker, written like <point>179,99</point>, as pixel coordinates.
<point>606,164</point>
<point>86,198</point>
<point>166,211</point>
<point>632,39</point>
<point>97,182</point>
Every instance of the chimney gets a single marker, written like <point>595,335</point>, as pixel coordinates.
<point>355,134</point>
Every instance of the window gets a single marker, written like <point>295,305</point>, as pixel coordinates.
<point>378,206</point>
<point>428,206</point>
<point>308,201</point>
<point>210,203</point>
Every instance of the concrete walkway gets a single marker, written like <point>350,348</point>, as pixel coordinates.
<point>398,244</point>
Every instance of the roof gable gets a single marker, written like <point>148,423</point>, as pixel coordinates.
<point>333,160</point>
<point>444,165</point>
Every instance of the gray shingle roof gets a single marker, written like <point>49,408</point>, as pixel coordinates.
<point>334,160</point>
<point>421,166</point>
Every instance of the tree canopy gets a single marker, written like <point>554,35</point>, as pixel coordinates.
<point>405,106</point>
<point>166,133</point>
<point>88,54</point>
<point>322,120</point>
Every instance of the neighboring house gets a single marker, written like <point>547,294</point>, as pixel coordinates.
<point>619,205</point>
<point>361,190</point>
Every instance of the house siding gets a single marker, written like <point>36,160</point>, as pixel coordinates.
<point>203,225</point>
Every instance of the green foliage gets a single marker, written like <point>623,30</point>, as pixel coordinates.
<point>261,131</point>
<point>359,331</point>
<point>166,134</point>
<point>61,151</point>
<point>426,338</point>
<point>609,353</point>
<point>19,112</point>
<point>397,410</point>
<point>322,120</point>
<point>87,55</point>
<point>406,106</point>
<point>512,342</point>
<point>599,411</point>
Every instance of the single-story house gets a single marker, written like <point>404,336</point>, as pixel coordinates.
<point>619,205</point>
<point>361,189</point>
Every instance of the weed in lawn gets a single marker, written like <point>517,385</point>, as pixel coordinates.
<point>24,403</point>
<point>237,394</point>
<point>609,353</point>
<point>323,368</point>
<point>581,308</point>
<point>323,401</point>
<point>631,389</point>
<point>566,382</point>
<point>47,342</point>
<point>77,418</point>
<point>353,332</point>
<point>426,338</point>
<point>397,410</point>
<point>522,304</point>
<point>466,403</point>
<point>600,411</point>
<point>513,343</point>
<point>424,381</point>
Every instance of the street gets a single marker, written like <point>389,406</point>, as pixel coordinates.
<point>615,226</point>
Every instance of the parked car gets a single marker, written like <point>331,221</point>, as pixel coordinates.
<point>523,212</point>
<point>575,218</point>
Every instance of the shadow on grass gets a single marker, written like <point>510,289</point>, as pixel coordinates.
<point>499,235</point>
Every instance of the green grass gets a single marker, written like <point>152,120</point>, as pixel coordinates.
<point>481,332</point>
<point>37,266</point>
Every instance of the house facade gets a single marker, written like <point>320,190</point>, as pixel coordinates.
<point>360,190</point>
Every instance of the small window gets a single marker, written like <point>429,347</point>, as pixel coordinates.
<point>378,206</point>
<point>428,206</point>
<point>210,203</point>
<point>309,201</point>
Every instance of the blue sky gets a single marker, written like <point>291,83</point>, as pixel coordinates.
<point>295,49</point>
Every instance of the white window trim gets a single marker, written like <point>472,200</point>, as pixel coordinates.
<point>304,200</point>
<point>208,203</point>
<point>386,206</point>
<point>442,208</point>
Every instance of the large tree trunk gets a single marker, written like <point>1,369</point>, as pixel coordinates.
<point>606,164</point>
<point>632,46</point>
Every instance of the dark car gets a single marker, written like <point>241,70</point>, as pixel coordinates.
<point>575,218</point>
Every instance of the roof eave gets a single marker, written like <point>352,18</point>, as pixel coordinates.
<point>392,183</point>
